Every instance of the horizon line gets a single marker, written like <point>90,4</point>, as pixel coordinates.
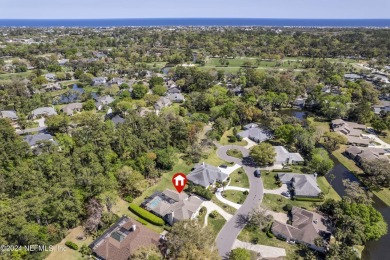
<point>133,18</point>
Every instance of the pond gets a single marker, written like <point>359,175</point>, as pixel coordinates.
<point>373,249</point>
<point>300,114</point>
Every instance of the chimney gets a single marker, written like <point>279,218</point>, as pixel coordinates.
<point>133,227</point>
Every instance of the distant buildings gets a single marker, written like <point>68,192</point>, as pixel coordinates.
<point>34,140</point>
<point>205,175</point>
<point>122,239</point>
<point>71,108</point>
<point>99,81</point>
<point>173,206</point>
<point>162,103</point>
<point>103,101</point>
<point>382,107</point>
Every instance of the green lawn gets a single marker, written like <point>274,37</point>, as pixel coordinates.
<point>235,196</point>
<point>269,180</point>
<point>239,178</point>
<point>225,207</point>
<point>239,61</point>
<point>386,137</point>
<point>324,126</point>
<point>20,75</point>
<point>277,202</point>
<point>225,138</point>
<point>214,160</point>
<point>216,224</point>
<point>250,234</point>
<point>329,192</point>
<point>348,163</point>
<point>235,153</point>
<point>166,180</point>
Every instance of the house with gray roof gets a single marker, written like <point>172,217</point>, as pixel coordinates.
<point>173,206</point>
<point>103,101</point>
<point>33,140</point>
<point>50,77</point>
<point>174,90</point>
<point>303,185</point>
<point>284,157</point>
<point>43,111</point>
<point>255,133</point>
<point>205,175</point>
<point>71,108</point>
<point>360,154</point>
<point>306,228</point>
<point>162,103</point>
<point>352,131</point>
<point>176,98</point>
<point>10,114</point>
<point>99,81</point>
<point>117,120</point>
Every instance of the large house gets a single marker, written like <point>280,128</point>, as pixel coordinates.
<point>34,140</point>
<point>205,175</point>
<point>306,228</point>
<point>10,114</point>
<point>71,108</point>
<point>360,154</point>
<point>122,239</point>
<point>303,185</point>
<point>43,111</point>
<point>284,157</point>
<point>99,81</point>
<point>161,103</point>
<point>50,77</point>
<point>173,206</point>
<point>255,133</point>
<point>103,101</point>
<point>352,131</point>
<point>176,98</point>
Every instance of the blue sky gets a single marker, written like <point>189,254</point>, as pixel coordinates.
<point>194,8</point>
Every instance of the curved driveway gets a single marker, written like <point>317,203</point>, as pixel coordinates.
<point>229,232</point>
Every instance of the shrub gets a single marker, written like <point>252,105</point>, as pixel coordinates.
<point>146,215</point>
<point>129,199</point>
<point>167,228</point>
<point>270,235</point>
<point>282,170</point>
<point>142,221</point>
<point>308,199</point>
<point>72,245</point>
<point>255,240</point>
<point>201,191</point>
<point>213,214</point>
<point>232,139</point>
<point>288,207</point>
<point>85,250</point>
<point>246,192</point>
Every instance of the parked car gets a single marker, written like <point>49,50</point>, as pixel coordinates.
<point>286,194</point>
<point>223,166</point>
<point>257,173</point>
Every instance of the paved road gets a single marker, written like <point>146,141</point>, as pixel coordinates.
<point>228,234</point>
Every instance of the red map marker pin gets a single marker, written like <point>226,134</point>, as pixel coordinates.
<point>179,180</point>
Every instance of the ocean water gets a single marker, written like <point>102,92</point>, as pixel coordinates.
<point>195,22</point>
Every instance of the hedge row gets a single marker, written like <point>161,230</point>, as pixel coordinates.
<point>71,245</point>
<point>308,199</point>
<point>282,170</point>
<point>140,212</point>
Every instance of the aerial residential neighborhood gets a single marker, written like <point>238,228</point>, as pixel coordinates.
<point>193,138</point>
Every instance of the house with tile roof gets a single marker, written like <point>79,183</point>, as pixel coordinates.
<point>205,175</point>
<point>306,228</point>
<point>122,239</point>
<point>173,206</point>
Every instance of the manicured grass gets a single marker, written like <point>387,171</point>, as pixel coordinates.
<point>225,207</point>
<point>225,138</point>
<point>166,180</point>
<point>269,180</point>
<point>239,179</point>
<point>235,153</point>
<point>250,234</point>
<point>235,196</point>
<point>383,195</point>
<point>214,160</point>
<point>348,163</point>
<point>386,137</point>
<point>277,202</point>
<point>216,224</point>
<point>324,126</point>
<point>329,192</point>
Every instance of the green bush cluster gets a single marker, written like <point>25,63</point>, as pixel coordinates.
<point>308,199</point>
<point>282,170</point>
<point>142,221</point>
<point>72,245</point>
<point>146,215</point>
